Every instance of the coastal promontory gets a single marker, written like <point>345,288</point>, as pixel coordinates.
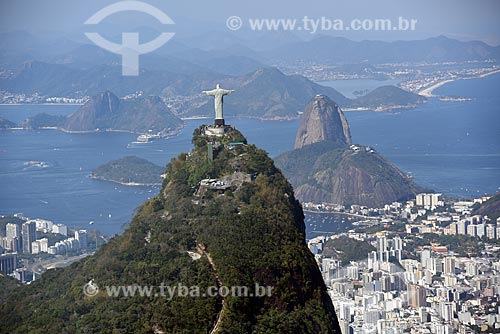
<point>326,168</point>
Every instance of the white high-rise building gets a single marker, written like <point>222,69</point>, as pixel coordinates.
<point>28,233</point>
<point>44,245</point>
<point>35,247</point>
<point>446,310</point>
<point>480,230</point>
<point>81,236</point>
<point>60,229</point>
<point>416,296</point>
<point>429,200</point>
<point>462,226</point>
<point>491,231</point>
<point>449,265</point>
<point>13,236</point>
<point>425,257</point>
<point>472,230</point>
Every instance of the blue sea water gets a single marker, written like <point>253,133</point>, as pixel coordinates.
<point>451,147</point>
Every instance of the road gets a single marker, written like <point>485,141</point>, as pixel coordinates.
<point>201,250</point>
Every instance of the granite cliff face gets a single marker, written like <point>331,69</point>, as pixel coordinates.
<point>87,118</point>
<point>324,167</point>
<point>322,120</point>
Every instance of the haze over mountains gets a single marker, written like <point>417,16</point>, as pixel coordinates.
<point>63,67</point>
<point>437,49</point>
<point>264,48</point>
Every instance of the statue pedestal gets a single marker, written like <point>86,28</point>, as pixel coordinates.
<point>216,131</point>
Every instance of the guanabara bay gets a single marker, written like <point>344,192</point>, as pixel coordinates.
<point>241,232</point>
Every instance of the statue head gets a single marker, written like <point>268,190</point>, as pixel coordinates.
<point>217,86</point>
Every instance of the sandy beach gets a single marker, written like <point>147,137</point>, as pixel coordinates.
<point>427,92</point>
<point>489,73</point>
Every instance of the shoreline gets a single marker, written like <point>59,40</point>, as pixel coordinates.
<point>427,92</point>
<point>133,184</point>
<point>174,132</point>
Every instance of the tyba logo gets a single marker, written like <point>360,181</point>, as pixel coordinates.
<point>130,49</point>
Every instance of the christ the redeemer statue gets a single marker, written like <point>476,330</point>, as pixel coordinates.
<point>218,94</point>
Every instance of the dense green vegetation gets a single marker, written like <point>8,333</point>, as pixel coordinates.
<point>129,169</point>
<point>254,232</point>
<point>7,284</point>
<point>462,244</point>
<point>347,249</point>
<point>396,226</point>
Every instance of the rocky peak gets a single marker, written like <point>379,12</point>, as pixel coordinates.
<point>322,120</point>
<point>106,102</point>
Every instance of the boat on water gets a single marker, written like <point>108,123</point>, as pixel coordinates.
<point>40,164</point>
<point>147,138</point>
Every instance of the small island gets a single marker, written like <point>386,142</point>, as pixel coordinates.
<point>5,124</point>
<point>130,171</point>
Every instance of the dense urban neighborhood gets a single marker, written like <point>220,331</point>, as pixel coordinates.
<point>425,266</point>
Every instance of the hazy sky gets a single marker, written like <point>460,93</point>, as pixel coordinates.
<point>461,19</point>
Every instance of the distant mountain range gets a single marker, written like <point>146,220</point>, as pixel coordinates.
<point>339,50</point>
<point>325,168</point>
<point>64,80</point>
<point>265,93</point>
<point>106,112</point>
<point>268,93</point>
<point>179,72</point>
<point>264,48</point>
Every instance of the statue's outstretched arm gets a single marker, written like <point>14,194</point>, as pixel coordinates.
<point>209,92</point>
<point>228,91</point>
